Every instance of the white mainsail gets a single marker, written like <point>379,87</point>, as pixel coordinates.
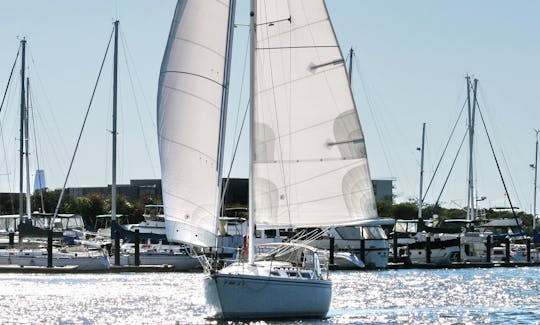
<point>188,115</point>
<point>310,166</point>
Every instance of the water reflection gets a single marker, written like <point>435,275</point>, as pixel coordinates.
<point>407,296</point>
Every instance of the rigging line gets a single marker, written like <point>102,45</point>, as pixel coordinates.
<point>36,150</point>
<point>246,53</point>
<point>236,136</point>
<point>141,88</point>
<point>511,178</point>
<point>62,147</point>
<point>82,128</point>
<point>502,147</point>
<point>224,191</point>
<point>9,79</point>
<point>1,124</point>
<point>53,149</point>
<point>499,168</point>
<point>375,120</point>
<point>280,147</point>
<point>271,23</point>
<point>451,168</point>
<point>31,106</point>
<point>137,106</point>
<point>296,47</point>
<point>444,150</point>
<point>328,197</point>
<point>328,172</point>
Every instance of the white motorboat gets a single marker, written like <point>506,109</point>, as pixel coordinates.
<point>156,254</point>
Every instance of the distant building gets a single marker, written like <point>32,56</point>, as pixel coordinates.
<point>136,188</point>
<point>237,190</point>
<point>384,189</point>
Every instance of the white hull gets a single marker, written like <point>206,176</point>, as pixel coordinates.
<point>375,253</point>
<point>343,261</point>
<point>181,262</point>
<point>261,296</point>
<point>39,258</point>
<point>439,256</point>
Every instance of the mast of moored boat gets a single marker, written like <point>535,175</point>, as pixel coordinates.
<point>351,53</point>
<point>224,103</point>
<point>115,100</point>
<point>420,194</point>
<point>471,118</point>
<point>535,180</point>
<point>27,150</point>
<point>252,42</point>
<point>21,136</point>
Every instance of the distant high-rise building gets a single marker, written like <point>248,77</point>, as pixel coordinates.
<point>39,180</point>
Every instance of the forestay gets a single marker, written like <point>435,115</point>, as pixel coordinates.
<point>309,165</point>
<point>189,111</point>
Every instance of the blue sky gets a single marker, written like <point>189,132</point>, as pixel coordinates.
<point>411,59</point>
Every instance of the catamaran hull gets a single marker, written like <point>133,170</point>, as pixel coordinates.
<point>262,297</point>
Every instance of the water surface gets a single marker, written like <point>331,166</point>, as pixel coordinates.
<point>499,295</point>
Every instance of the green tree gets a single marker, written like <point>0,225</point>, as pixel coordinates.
<point>384,209</point>
<point>405,210</point>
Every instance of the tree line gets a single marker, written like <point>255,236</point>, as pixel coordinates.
<point>88,206</point>
<point>409,210</point>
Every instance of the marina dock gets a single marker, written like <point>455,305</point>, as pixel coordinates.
<point>75,269</point>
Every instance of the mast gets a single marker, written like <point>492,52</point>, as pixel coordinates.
<point>115,101</point>
<point>420,194</point>
<point>252,42</point>
<point>535,180</point>
<point>27,150</point>
<point>470,163</point>
<point>471,158</point>
<point>351,53</point>
<point>224,102</point>
<point>21,135</point>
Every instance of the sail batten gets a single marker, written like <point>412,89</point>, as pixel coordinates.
<point>190,93</point>
<point>310,163</point>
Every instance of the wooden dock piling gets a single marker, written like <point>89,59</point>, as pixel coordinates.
<point>137,248</point>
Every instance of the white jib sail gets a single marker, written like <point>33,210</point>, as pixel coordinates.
<point>188,115</point>
<point>310,165</point>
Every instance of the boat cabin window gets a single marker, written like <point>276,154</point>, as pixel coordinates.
<point>405,227</point>
<point>270,233</point>
<point>373,233</point>
<point>286,232</point>
<point>258,234</point>
<point>274,273</point>
<point>292,273</point>
<point>306,275</point>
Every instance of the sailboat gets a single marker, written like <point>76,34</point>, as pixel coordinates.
<point>308,162</point>
<point>33,253</point>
